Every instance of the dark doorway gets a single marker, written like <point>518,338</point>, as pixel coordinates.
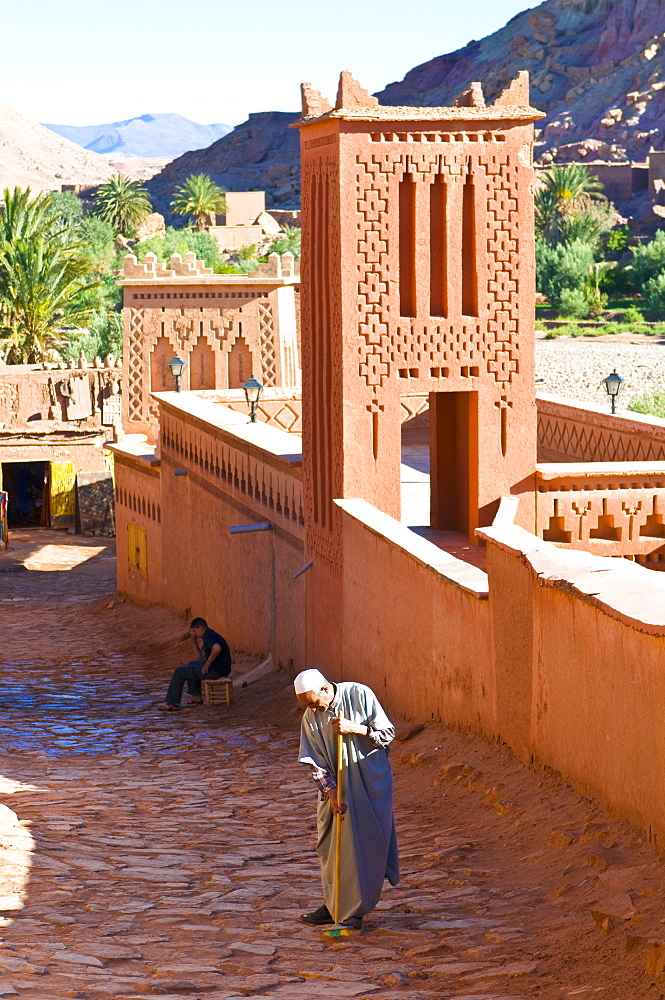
<point>453,428</point>
<point>28,498</point>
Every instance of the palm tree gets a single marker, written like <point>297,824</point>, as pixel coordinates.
<point>23,216</point>
<point>123,203</point>
<point>566,191</point>
<point>42,274</point>
<point>201,198</point>
<point>41,281</point>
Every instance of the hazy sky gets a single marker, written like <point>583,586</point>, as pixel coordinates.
<point>83,62</point>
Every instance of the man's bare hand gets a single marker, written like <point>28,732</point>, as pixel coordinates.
<point>204,670</point>
<point>338,808</point>
<point>346,727</point>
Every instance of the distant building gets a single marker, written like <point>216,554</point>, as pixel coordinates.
<point>246,221</point>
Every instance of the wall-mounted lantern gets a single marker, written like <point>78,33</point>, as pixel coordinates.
<point>614,385</point>
<point>177,367</point>
<point>252,390</point>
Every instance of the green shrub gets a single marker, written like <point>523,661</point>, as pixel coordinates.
<point>632,315</point>
<point>649,259</point>
<point>563,274</point>
<point>569,330</point>
<point>181,241</point>
<point>103,336</point>
<point>607,328</point>
<point>654,293</point>
<point>573,303</point>
<point>652,403</point>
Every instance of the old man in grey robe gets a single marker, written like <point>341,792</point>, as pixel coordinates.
<point>369,842</point>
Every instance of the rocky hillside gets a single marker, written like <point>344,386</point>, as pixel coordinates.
<point>597,69</point>
<point>31,155</point>
<point>261,154</point>
<point>161,135</point>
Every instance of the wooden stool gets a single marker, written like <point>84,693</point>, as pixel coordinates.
<point>218,692</point>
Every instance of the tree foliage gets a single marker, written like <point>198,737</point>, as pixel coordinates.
<point>180,241</point>
<point>43,273</point>
<point>564,273</point>
<point>123,203</point>
<point>103,336</point>
<point>200,198</point>
<point>287,242</point>
<point>570,206</point>
<point>649,259</point>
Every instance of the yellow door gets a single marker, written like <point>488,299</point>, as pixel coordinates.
<point>137,548</point>
<point>62,494</point>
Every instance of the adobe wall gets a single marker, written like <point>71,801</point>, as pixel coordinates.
<point>656,173</point>
<point>587,659</point>
<point>414,621</point>
<point>243,207</point>
<point>36,399</point>
<point>235,237</point>
<point>616,178</point>
<point>138,500</point>
<point>216,470</point>
<point>588,433</point>
<point>558,653</point>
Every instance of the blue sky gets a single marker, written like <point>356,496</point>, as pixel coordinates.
<point>78,62</point>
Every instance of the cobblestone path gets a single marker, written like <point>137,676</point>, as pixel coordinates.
<point>169,856</point>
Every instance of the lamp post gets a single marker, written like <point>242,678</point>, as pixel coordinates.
<point>252,390</point>
<point>614,385</point>
<point>177,367</point>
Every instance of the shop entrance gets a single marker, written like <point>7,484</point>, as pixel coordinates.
<point>27,488</point>
<point>40,494</point>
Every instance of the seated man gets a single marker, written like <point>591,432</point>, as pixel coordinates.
<point>212,662</point>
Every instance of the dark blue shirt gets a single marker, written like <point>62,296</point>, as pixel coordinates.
<point>221,665</point>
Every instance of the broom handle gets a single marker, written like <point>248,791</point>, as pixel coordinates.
<point>338,832</point>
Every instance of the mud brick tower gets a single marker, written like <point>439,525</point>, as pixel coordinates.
<point>418,276</point>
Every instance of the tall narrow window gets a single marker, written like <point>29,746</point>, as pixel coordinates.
<point>407,247</point>
<point>469,261</point>
<point>438,277</point>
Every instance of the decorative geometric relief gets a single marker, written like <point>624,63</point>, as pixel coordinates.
<point>503,284</point>
<point>372,271</point>
<point>570,439</point>
<point>267,344</point>
<point>222,327</point>
<point>286,417</point>
<point>183,328</point>
<point>323,425</point>
<point>135,365</point>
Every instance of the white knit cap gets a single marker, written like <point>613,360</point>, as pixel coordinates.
<point>309,680</point>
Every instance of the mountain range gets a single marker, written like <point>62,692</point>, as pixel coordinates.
<point>32,156</point>
<point>160,135</point>
<point>597,70</point>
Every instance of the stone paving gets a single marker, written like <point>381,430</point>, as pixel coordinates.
<point>145,855</point>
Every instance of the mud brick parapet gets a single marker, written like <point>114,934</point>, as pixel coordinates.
<point>227,328</point>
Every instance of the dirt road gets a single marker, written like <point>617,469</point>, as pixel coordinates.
<point>169,856</point>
